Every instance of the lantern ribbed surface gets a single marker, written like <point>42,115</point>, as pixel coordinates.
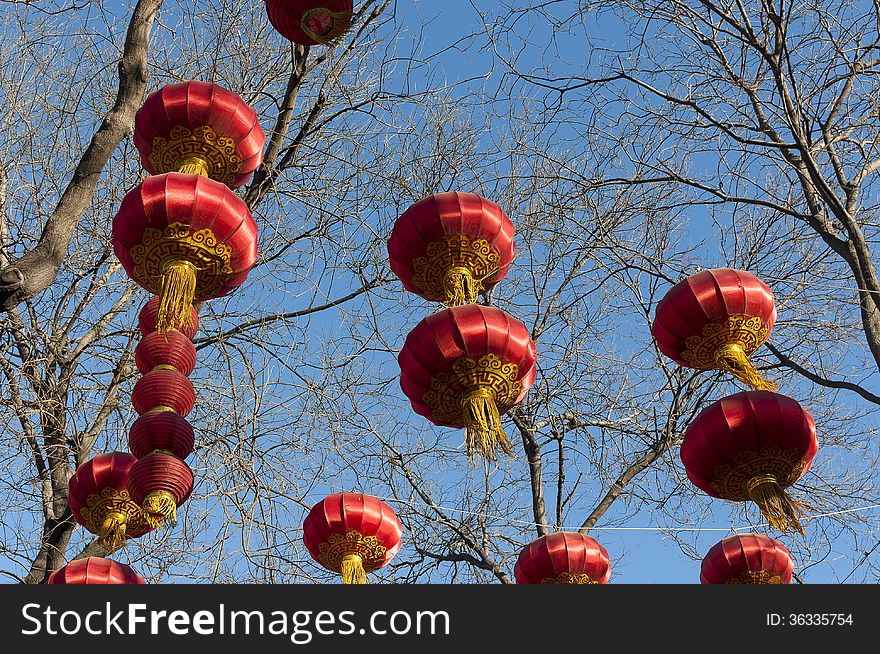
<point>310,22</point>
<point>148,318</point>
<point>163,388</point>
<point>171,348</point>
<point>161,430</point>
<point>200,125</point>
<point>563,558</point>
<point>747,559</point>
<point>160,483</point>
<point>95,570</point>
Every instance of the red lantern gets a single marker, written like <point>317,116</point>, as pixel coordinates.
<point>747,559</point>
<point>715,320</point>
<point>148,320</point>
<point>563,558</point>
<point>352,534</point>
<point>100,501</point>
<point>164,432</point>
<point>201,128</point>
<point>310,22</point>
<point>163,390</point>
<point>169,351</point>
<point>449,247</point>
<point>184,238</point>
<point>95,570</point>
<point>752,445</point>
<point>160,483</point>
<point>465,367</point>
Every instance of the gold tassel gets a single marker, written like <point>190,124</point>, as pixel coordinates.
<point>460,287</point>
<point>112,531</point>
<point>482,421</point>
<point>780,510</point>
<point>176,295</point>
<point>734,360</point>
<point>160,503</point>
<point>193,166</point>
<point>352,569</point>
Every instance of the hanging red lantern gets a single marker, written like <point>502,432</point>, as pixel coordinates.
<point>148,320</point>
<point>169,351</point>
<point>163,390</point>
<point>95,570</point>
<point>200,128</point>
<point>715,320</point>
<point>184,238</point>
<point>164,432</point>
<point>100,501</point>
<point>449,247</point>
<point>563,558</point>
<point>310,22</point>
<point>352,534</point>
<point>465,367</point>
<point>747,559</point>
<point>160,483</point>
<point>752,446</point>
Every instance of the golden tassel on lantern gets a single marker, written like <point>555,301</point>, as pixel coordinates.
<point>482,421</point>
<point>112,530</point>
<point>777,507</point>
<point>460,287</point>
<point>352,569</point>
<point>176,295</point>
<point>160,503</point>
<point>733,359</point>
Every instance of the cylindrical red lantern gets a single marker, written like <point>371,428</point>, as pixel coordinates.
<point>751,446</point>
<point>148,320</point>
<point>200,128</point>
<point>164,432</point>
<point>169,351</point>
<point>95,570</point>
<point>715,320</point>
<point>184,238</point>
<point>310,22</point>
<point>160,483</point>
<point>163,390</point>
<point>747,559</point>
<point>100,501</point>
<point>449,247</point>
<point>465,367</point>
<point>352,534</point>
<point>563,558</point>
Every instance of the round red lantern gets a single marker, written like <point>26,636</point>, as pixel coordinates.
<point>163,390</point>
<point>98,496</point>
<point>465,367</point>
<point>148,320</point>
<point>715,320</point>
<point>352,534</point>
<point>310,22</point>
<point>184,238</point>
<point>164,432</point>
<point>449,247</point>
<point>160,483</point>
<point>95,570</point>
<point>747,559</point>
<point>200,128</point>
<point>169,351</point>
<point>563,558</point>
<point>752,446</point>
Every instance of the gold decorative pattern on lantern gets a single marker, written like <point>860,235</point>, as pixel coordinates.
<point>487,373</point>
<point>338,22</point>
<point>454,271</point>
<point>569,578</point>
<point>755,577</point>
<point>159,247</point>
<point>197,150</point>
<point>118,507</point>
<point>734,482</point>
<point>338,546</point>
<point>701,351</point>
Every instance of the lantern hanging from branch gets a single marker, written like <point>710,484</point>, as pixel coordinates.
<point>310,22</point>
<point>352,534</point>
<point>752,446</point>
<point>163,390</point>
<point>449,247</point>
<point>148,320</point>
<point>184,238</point>
<point>100,500</point>
<point>160,483</point>
<point>563,558</point>
<point>169,351</point>
<point>465,367</point>
<point>747,559</point>
<point>163,432</point>
<point>95,570</point>
<point>715,320</point>
<point>199,128</point>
